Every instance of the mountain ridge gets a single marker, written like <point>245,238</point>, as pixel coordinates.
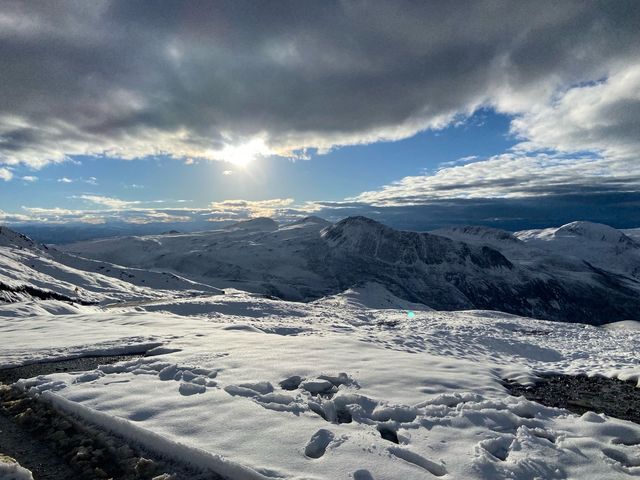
<point>305,264</point>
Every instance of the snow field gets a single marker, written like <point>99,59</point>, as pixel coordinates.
<point>269,389</point>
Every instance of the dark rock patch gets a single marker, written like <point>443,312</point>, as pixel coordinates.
<point>580,394</point>
<point>81,364</point>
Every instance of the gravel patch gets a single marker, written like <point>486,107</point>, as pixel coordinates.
<point>581,394</point>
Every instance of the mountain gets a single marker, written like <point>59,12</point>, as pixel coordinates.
<point>468,268</point>
<point>600,245</point>
<point>29,270</point>
<point>260,224</point>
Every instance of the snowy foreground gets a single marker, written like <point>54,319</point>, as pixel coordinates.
<point>214,391</point>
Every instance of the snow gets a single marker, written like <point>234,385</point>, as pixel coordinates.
<point>598,244</point>
<point>29,270</point>
<point>625,325</point>
<point>372,295</point>
<point>474,267</point>
<point>235,387</point>
<point>11,470</point>
<point>359,383</point>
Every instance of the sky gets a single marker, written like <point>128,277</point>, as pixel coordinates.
<point>419,114</point>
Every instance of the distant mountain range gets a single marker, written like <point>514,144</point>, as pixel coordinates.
<point>580,272</point>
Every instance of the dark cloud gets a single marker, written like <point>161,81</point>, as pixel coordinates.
<point>620,210</point>
<point>187,78</point>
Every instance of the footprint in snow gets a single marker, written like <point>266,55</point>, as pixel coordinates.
<point>434,468</point>
<point>291,383</point>
<point>187,389</point>
<point>498,447</point>
<point>362,475</point>
<point>318,443</point>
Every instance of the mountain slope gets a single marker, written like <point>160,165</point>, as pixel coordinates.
<point>310,259</point>
<point>29,270</point>
<point>600,245</point>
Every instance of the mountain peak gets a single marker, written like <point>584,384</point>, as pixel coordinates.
<point>592,231</point>
<point>311,219</point>
<point>258,223</point>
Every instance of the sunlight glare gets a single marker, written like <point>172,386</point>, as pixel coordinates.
<point>244,154</point>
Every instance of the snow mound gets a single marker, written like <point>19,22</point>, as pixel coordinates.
<point>12,470</point>
<point>372,295</point>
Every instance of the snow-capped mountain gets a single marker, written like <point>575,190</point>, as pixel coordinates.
<point>600,245</point>
<point>309,259</point>
<point>31,270</point>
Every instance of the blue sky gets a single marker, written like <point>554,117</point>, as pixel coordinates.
<point>342,173</point>
<point>418,113</point>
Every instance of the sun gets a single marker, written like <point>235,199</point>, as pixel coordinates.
<point>244,154</point>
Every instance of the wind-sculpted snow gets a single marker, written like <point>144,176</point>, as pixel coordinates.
<point>309,259</point>
<point>334,390</point>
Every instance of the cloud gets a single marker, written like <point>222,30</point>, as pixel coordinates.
<point>602,117</point>
<point>114,214</point>
<point>154,216</point>
<point>200,81</point>
<point>65,180</point>
<point>30,178</point>
<point>56,211</point>
<point>227,172</point>
<point>242,209</point>
<point>511,175</point>
<point>109,202</point>
<point>5,174</point>
<point>12,217</point>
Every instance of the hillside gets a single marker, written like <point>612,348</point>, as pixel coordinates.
<point>463,269</point>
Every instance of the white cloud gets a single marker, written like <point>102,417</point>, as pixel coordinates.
<point>602,117</point>
<point>109,202</point>
<point>510,175</point>
<point>250,208</point>
<point>227,172</point>
<point>132,215</point>
<point>155,216</point>
<point>56,211</point>
<point>5,174</point>
<point>12,217</point>
<point>65,180</point>
<point>30,178</point>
